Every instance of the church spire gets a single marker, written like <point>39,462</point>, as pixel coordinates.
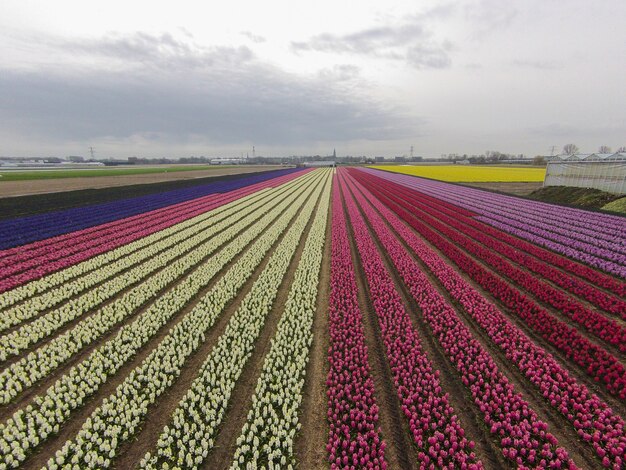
<point>334,153</point>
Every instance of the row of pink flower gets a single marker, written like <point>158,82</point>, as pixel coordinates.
<point>66,250</point>
<point>593,250</point>
<point>550,257</point>
<point>436,430</point>
<point>52,249</point>
<point>566,249</point>
<point>493,238</point>
<point>459,230</point>
<point>591,417</point>
<point>354,438</point>
<point>543,262</point>
<point>478,200</point>
<point>13,256</point>
<point>523,437</point>
<point>597,362</point>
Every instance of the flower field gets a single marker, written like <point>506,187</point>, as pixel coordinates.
<point>314,318</point>
<point>469,174</point>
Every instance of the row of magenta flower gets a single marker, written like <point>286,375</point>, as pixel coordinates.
<point>22,230</point>
<point>25,263</point>
<point>355,435</point>
<point>593,238</point>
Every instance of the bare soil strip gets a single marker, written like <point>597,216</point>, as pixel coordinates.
<point>61,185</point>
<point>310,443</point>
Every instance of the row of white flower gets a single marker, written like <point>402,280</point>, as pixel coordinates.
<point>37,296</point>
<point>120,415</point>
<point>267,438</point>
<point>21,339</point>
<point>41,362</point>
<point>33,424</point>
<point>190,435</point>
<point>59,278</point>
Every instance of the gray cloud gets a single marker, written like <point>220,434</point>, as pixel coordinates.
<point>160,51</point>
<point>253,37</point>
<point>410,42</point>
<point>224,96</point>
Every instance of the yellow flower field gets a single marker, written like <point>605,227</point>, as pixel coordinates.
<point>469,174</point>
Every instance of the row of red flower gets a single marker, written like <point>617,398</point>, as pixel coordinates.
<point>597,362</point>
<point>542,262</point>
<point>551,258</point>
<point>35,260</point>
<point>354,437</point>
<point>433,425</point>
<point>592,418</point>
<point>596,323</point>
<point>523,437</point>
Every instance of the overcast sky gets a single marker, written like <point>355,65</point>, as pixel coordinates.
<point>154,79</point>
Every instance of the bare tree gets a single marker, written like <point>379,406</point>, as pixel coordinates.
<point>621,149</point>
<point>539,160</point>
<point>570,149</point>
<point>604,149</point>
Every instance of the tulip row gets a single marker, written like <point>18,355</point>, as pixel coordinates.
<point>592,250</point>
<point>434,426</point>
<point>493,238</point>
<point>522,436</point>
<point>592,418</point>
<point>75,247</point>
<point>32,425</point>
<point>597,362</point>
<point>113,261</point>
<point>156,259</point>
<point>598,254</point>
<point>41,362</point>
<point>352,410</point>
<point>268,435</point>
<point>605,226</point>
<point>464,235</point>
<point>551,258</point>
<point>19,231</point>
<point>133,267</point>
<point>121,231</point>
<point>564,246</point>
<point>190,431</point>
